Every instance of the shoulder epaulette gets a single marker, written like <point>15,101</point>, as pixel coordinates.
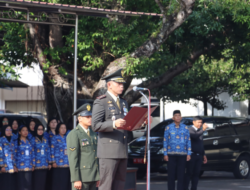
<point>100,97</point>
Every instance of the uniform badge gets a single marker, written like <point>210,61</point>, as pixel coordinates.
<point>88,107</point>
<point>122,72</point>
<point>109,102</point>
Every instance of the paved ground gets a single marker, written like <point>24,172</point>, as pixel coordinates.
<point>209,181</point>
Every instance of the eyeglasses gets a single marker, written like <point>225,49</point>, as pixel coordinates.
<point>8,130</point>
<point>5,121</point>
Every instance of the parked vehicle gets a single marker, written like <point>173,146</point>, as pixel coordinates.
<point>23,118</point>
<point>226,144</point>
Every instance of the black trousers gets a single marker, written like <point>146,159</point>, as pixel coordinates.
<point>39,179</point>
<point>176,167</point>
<point>24,180</point>
<point>8,181</point>
<point>193,171</point>
<point>61,179</point>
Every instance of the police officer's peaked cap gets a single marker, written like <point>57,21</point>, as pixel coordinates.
<point>117,76</point>
<point>84,110</point>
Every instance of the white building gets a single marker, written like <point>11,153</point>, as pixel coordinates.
<point>30,98</point>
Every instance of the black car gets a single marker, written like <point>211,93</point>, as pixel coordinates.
<point>226,142</point>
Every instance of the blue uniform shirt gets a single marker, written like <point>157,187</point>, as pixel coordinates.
<point>30,137</point>
<point>49,135</point>
<point>7,154</point>
<point>25,157</point>
<point>176,140</point>
<point>59,151</point>
<point>42,153</point>
<point>15,136</point>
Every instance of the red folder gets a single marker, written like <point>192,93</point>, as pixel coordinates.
<point>135,118</point>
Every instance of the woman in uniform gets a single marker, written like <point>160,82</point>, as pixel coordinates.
<point>4,121</point>
<point>25,159</point>
<point>31,129</point>
<point>61,173</point>
<point>51,129</point>
<point>49,134</point>
<point>42,157</point>
<point>14,126</point>
<point>7,159</point>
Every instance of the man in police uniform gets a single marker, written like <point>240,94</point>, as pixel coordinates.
<point>82,148</point>
<point>108,113</point>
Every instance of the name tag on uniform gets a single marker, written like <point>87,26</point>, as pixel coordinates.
<point>42,152</point>
<point>172,133</point>
<point>65,151</point>
<point>27,152</point>
<point>111,108</point>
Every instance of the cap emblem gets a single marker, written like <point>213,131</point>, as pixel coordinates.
<point>88,107</point>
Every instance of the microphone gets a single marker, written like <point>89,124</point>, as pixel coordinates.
<point>135,88</point>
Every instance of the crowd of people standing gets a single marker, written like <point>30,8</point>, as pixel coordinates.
<point>32,158</point>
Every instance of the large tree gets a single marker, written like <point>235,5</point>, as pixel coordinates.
<point>149,47</point>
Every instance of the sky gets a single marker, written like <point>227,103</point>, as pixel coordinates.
<point>31,76</point>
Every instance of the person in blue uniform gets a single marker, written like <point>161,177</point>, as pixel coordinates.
<point>61,173</point>
<point>4,121</point>
<point>14,126</point>
<point>49,134</point>
<point>7,159</point>
<point>51,129</point>
<point>177,150</point>
<point>42,157</point>
<point>31,129</point>
<point>24,160</point>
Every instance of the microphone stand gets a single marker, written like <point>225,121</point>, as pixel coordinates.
<point>148,145</point>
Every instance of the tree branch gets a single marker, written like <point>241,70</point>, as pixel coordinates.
<point>162,10</point>
<point>174,21</point>
<point>167,77</point>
